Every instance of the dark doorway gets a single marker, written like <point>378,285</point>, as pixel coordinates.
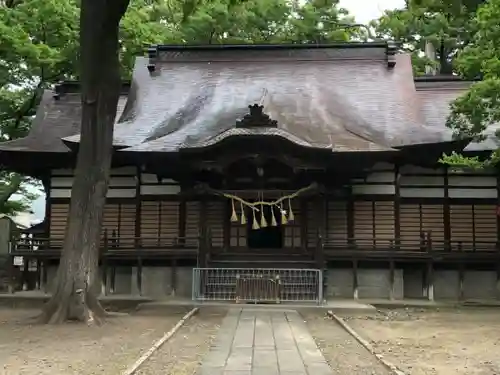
<point>268,237</point>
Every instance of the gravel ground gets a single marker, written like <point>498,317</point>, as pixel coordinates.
<point>183,353</point>
<point>343,353</point>
<point>75,348</point>
<point>435,342</point>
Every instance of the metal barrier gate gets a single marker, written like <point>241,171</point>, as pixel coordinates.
<point>257,285</point>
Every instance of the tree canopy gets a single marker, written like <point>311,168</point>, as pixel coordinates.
<point>447,24</point>
<point>474,113</point>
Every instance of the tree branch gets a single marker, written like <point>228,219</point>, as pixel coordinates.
<point>10,188</point>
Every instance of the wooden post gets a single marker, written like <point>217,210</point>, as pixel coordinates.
<point>44,276</point>
<point>112,280</point>
<point>429,281</point>
<point>498,281</point>
<point>320,225</point>
<point>138,208</point>
<point>173,276</point>
<point>397,208</point>
<point>202,252</point>
<point>391,279</point>
<point>104,265</point>
<point>446,212</point>
<point>355,278</point>
<point>303,224</point>
<point>461,285</point>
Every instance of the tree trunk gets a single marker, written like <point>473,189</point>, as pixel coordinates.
<point>74,297</point>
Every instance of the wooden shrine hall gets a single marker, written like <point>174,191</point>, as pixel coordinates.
<point>272,173</point>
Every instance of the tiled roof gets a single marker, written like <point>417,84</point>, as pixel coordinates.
<point>343,99</point>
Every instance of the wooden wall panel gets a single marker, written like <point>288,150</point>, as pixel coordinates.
<point>159,223</point>
<point>410,225</point>
<point>336,224</point>
<point>215,222</point>
<point>485,224</point>
<point>364,230</point>
<point>433,222</point>
<point>192,223</point>
<point>384,223</point>
<point>461,223</point>
<point>119,224</point>
<point>58,219</point>
<point>421,218</point>
<point>374,223</point>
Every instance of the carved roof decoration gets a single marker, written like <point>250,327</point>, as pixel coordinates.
<point>256,118</point>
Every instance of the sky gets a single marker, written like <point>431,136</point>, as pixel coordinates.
<point>363,10</point>
<point>366,10</point>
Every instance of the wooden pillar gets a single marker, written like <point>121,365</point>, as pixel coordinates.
<point>138,208</point>
<point>320,225</point>
<point>44,276</point>
<point>112,279</point>
<point>498,280</point>
<point>25,273</point>
<point>446,211</point>
<point>104,265</point>
<point>461,278</point>
<point>203,247</point>
<point>355,279</point>
<point>303,224</point>
<point>397,207</point>
<point>227,225</point>
<point>391,279</point>
<point>429,281</point>
<point>138,275</point>
<point>181,230</point>
<point>350,219</point>
<point>173,276</point>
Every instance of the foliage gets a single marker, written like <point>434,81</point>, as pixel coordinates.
<point>446,24</point>
<point>39,47</point>
<point>474,113</point>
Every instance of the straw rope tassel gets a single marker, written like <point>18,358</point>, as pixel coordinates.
<point>273,218</point>
<point>243,217</point>
<point>255,225</point>
<point>291,216</point>
<point>234,215</point>
<point>284,220</point>
<point>263,221</point>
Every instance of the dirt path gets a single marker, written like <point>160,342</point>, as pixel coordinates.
<point>183,354</point>
<point>74,348</point>
<point>343,353</point>
<point>440,342</point>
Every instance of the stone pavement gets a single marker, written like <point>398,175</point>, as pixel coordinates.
<point>264,342</point>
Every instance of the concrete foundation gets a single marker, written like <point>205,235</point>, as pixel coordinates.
<point>158,283</point>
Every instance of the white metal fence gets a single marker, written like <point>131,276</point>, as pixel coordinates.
<point>256,285</point>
